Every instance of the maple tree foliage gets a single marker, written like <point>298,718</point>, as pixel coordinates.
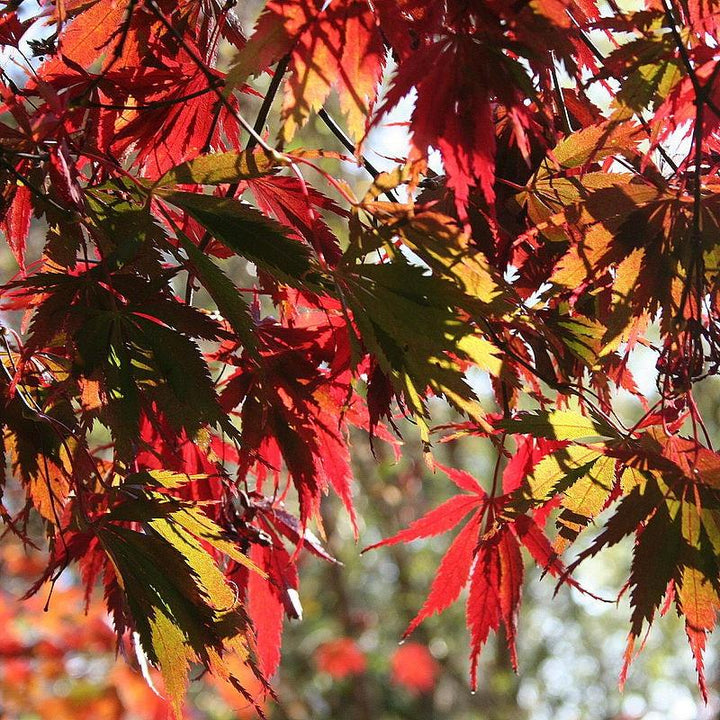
<point>176,432</point>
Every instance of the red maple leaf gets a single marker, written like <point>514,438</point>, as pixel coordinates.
<point>483,555</point>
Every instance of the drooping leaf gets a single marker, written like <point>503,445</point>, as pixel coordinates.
<point>452,574</point>
<point>383,299</point>
<point>248,233</point>
<point>227,297</point>
<point>220,168</point>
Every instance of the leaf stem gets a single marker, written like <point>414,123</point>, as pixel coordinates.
<point>348,144</point>
<point>155,103</point>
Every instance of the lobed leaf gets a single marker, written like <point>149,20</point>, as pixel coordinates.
<point>248,233</point>
<point>221,168</point>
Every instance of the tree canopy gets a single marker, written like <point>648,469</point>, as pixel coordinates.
<point>215,308</point>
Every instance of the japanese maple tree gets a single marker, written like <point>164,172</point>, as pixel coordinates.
<point>214,310</point>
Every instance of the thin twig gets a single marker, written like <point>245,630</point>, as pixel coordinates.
<point>155,103</point>
<point>258,126</point>
<point>268,100</point>
<point>348,144</point>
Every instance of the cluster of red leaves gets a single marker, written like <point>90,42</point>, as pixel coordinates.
<point>414,668</point>
<point>340,658</point>
<point>411,666</point>
<point>176,430</point>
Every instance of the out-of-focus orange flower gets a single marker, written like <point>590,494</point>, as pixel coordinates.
<point>137,696</point>
<point>48,650</point>
<point>340,658</point>
<point>104,705</point>
<point>17,672</point>
<point>414,668</point>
